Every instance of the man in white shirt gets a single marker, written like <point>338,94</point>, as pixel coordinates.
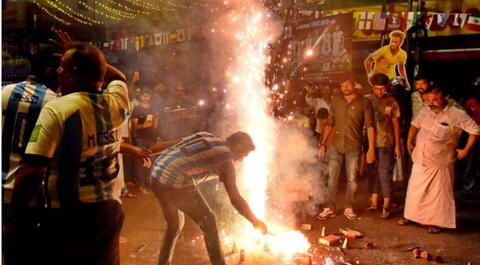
<point>437,129</point>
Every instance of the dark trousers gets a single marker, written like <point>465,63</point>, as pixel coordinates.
<point>176,202</point>
<point>22,248</point>
<point>472,166</point>
<point>86,234</point>
<point>381,171</point>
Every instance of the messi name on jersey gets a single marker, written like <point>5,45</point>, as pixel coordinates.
<point>103,138</point>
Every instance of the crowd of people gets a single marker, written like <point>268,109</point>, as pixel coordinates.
<point>76,137</point>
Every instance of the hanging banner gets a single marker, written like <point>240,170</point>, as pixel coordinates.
<point>320,50</point>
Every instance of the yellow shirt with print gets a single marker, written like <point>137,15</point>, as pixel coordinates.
<point>385,61</point>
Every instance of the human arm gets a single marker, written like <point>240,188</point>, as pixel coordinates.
<point>370,125</point>
<point>462,153</point>
<point>131,87</point>
<point>139,154</point>
<point>238,202</point>
<point>396,132</point>
<point>322,148</point>
<point>368,65</point>
<point>146,124</point>
<point>162,146</point>
<point>27,184</point>
<point>371,145</point>
<point>412,134</point>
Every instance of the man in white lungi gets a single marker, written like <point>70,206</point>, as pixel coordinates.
<point>437,129</point>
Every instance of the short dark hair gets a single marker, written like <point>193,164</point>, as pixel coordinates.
<point>241,138</point>
<point>347,77</point>
<point>88,60</point>
<point>39,64</point>
<point>422,75</point>
<point>438,90</point>
<point>334,85</point>
<point>379,80</point>
<point>322,113</point>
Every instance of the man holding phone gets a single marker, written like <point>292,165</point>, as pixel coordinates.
<point>145,121</point>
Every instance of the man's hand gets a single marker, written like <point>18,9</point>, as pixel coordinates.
<point>461,154</point>
<point>398,152</point>
<point>63,41</point>
<point>321,151</point>
<point>260,226</point>
<point>141,155</point>
<point>136,77</point>
<point>371,155</point>
<point>410,147</point>
<point>148,124</point>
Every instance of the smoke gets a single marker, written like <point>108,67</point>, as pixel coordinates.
<point>285,155</point>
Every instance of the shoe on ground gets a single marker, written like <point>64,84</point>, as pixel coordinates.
<point>327,213</point>
<point>350,214</point>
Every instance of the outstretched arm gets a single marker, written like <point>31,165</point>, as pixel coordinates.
<point>236,198</point>
<point>162,146</point>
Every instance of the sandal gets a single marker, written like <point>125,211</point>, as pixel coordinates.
<point>372,207</point>
<point>434,229</point>
<point>386,213</point>
<point>404,221</point>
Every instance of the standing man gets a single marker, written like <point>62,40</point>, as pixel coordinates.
<point>177,172</point>
<point>437,130</point>
<point>75,145</point>
<point>423,84</point>
<point>387,143</point>
<point>388,57</point>
<point>181,115</point>
<point>348,116</point>
<point>145,121</point>
<point>21,106</point>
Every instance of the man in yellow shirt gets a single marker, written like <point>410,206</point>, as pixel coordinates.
<point>388,57</point>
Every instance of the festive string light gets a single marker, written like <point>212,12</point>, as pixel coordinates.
<point>128,8</point>
<point>116,11</point>
<point>53,4</point>
<point>78,14</point>
<point>98,11</point>
<point>52,15</point>
<point>149,6</point>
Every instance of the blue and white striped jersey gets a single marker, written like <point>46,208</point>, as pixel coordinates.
<point>21,105</point>
<point>79,137</point>
<point>196,159</point>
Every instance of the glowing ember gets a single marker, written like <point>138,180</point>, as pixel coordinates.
<point>309,52</point>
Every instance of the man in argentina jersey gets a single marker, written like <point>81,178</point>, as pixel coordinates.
<point>21,105</point>
<point>77,139</point>
<point>177,171</point>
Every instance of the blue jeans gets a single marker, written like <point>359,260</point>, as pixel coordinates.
<point>143,173</point>
<point>381,171</point>
<point>351,163</point>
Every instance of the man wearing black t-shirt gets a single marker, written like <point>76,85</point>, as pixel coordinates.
<point>145,120</point>
<point>181,114</point>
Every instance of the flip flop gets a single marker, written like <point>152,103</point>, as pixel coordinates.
<point>434,230</point>
<point>404,221</point>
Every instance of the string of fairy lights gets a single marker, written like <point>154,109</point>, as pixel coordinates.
<point>81,16</point>
<point>53,4</point>
<point>52,15</point>
<point>119,13</point>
